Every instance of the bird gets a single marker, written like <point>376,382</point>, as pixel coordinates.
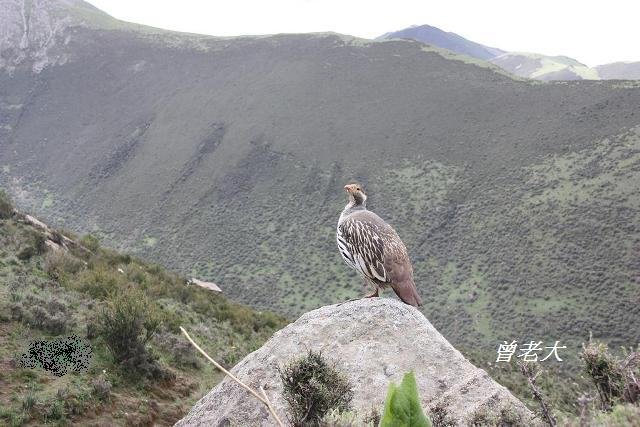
<point>373,248</point>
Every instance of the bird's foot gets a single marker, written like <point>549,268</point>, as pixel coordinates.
<point>373,295</point>
<point>349,300</point>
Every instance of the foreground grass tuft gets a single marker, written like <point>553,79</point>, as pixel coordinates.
<point>313,387</point>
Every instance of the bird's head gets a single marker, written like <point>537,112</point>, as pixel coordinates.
<point>356,194</point>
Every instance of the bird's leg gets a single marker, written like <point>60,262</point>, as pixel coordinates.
<point>356,299</point>
<point>368,283</point>
<point>374,294</point>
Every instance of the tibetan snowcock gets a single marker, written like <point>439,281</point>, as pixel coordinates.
<point>371,247</point>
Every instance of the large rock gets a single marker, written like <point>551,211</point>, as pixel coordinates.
<point>375,341</point>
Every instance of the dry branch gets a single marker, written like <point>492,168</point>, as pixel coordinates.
<point>531,375</point>
<point>264,400</point>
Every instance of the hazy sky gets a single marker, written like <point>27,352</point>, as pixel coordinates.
<point>594,32</point>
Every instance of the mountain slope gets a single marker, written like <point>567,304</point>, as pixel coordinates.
<point>542,67</point>
<point>445,40</point>
<point>527,65</point>
<point>620,71</point>
<point>226,157</point>
<point>37,31</point>
<point>53,287</point>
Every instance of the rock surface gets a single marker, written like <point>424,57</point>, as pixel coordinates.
<point>374,341</point>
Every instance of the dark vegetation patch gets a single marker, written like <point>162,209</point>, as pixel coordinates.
<point>206,147</point>
<point>122,151</point>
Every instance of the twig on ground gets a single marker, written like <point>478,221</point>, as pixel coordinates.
<point>264,400</point>
<point>531,375</point>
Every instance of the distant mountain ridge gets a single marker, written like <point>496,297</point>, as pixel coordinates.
<point>528,65</point>
<point>620,70</point>
<point>542,67</point>
<point>446,40</point>
<point>39,31</point>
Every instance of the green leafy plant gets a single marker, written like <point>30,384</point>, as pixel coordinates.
<point>90,242</point>
<point>402,406</point>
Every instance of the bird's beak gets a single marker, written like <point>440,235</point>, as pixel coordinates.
<point>348,188</point>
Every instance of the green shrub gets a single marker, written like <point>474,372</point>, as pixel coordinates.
<point>6,207</point>
<point>53,410</point>
<point>402,406</point>
<point>99,282</point>
<point>101,389</point>
<point>26,253</point>
<point>75,405</point>
<point>37,246</point>
<point>59,265</point>
<point>29,401</point>
<point>90,242</point>
<point>47,314</point>
<point>604,371</point>
<point>620,415</point>
<point>39,242</point>
<point>113,258</point>
<point>126,324</point>
<point>312,388</point>
<point>616,380</point>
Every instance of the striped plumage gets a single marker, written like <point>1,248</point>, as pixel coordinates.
<point>371,247</point>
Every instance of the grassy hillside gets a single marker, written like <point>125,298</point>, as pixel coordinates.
<point>47,293</point>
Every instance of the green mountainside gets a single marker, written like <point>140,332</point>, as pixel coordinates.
<point>225,159</point>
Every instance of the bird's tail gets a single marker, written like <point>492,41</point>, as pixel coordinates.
<point>408,293</point>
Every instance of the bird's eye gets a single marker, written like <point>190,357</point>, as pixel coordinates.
<point>357,188</point>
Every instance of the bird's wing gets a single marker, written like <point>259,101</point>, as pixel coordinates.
<point>365,243</point>
<point>385,255</point>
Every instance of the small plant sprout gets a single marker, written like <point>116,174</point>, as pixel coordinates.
<point>402,406</point>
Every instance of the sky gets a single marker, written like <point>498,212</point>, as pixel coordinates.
<point>593,32</point>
